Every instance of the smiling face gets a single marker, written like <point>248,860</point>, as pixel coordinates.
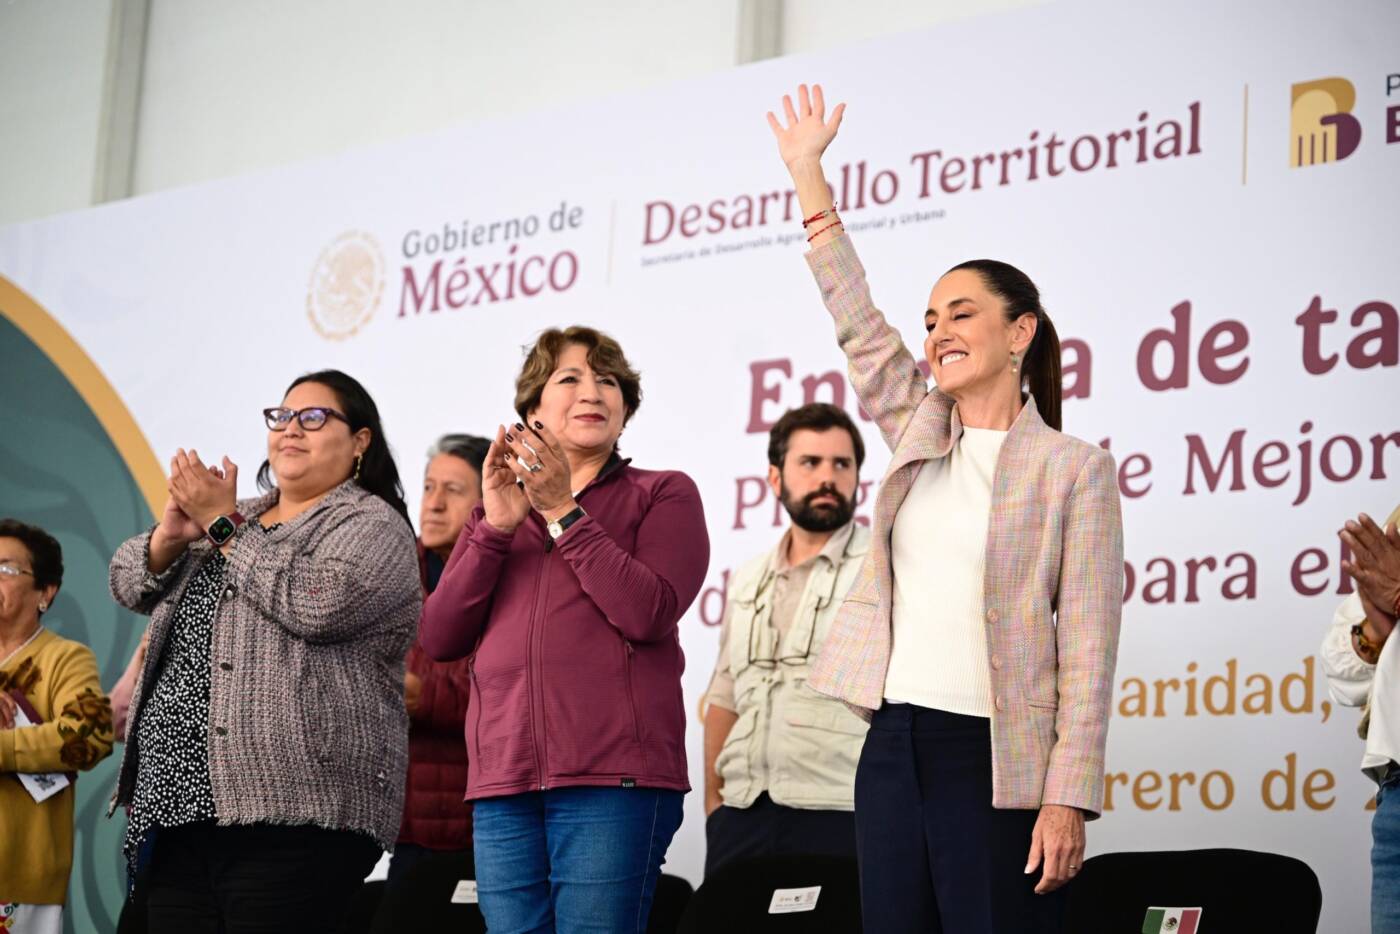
<point>970,342</point>
<point>451,489</point>
<point>309,463</point>
<point>19,597</point>
<point>584,409</point>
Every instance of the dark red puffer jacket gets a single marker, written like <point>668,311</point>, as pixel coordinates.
<point>434,814</point>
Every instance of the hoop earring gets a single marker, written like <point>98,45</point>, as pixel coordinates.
<point>359,460</point>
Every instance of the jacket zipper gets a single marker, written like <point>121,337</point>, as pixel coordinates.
<point>476,725</point>
<point>631,701</point>
<point>534,641</point>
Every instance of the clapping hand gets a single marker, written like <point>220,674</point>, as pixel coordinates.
<point>504,501</point>
<point>1375,562</point>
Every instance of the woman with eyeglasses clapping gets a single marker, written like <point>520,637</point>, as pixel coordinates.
<point>267,739</point>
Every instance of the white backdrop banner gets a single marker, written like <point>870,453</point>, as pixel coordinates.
<point>1206,194</point>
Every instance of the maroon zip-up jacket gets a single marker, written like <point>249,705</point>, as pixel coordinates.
<point>576,677</point>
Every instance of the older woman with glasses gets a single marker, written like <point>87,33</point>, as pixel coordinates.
<point>53,720</point>
<point>266,746</point>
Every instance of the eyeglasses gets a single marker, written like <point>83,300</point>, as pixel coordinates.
<point>310,419</point>
<point>9,570</point>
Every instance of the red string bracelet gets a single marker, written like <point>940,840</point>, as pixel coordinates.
<point>824,230</point>
<point>819,215</point>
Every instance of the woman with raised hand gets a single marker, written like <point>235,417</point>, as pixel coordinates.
<point>566,587</point>
<point>267,738</point>
<point>982,634</point>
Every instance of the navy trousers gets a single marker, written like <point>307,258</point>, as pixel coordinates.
<point>935,856</point>
<point>766,828</point>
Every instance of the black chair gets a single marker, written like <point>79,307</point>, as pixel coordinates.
<point>1236,890</point>
<point>739,896</point>
<point>423,900</point>
<point>668,904</point>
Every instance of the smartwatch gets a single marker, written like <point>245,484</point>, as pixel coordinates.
<point>223,528</point>
<point>561,525</point>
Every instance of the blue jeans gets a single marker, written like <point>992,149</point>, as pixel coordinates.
<point>572,859</point>
<point>1385,858</point>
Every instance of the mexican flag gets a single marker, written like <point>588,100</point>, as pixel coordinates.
<point>1171,921</point>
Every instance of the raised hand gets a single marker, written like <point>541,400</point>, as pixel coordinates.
<point>805,132</point>
<point>504,501</point>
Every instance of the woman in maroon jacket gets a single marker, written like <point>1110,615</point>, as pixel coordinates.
<point>566,588</point>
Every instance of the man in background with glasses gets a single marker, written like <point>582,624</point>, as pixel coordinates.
<point>780,759</point>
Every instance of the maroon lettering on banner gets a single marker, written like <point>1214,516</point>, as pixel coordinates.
<point>1177,340</point>
<point>1076,372</point>
<point>761,391</point>
<point>420,296</point>
<point>1275,462</point>
<point>1236,577</point>
<point>1377,346</point>
<point>749,492</point>
<point>1222,340</point>
<point>1131,468</point>
<point>1311,321</point>
<point>649,235</point>
<point>1392,124</point>
<point>713,600</point>
<point>1385,335</point>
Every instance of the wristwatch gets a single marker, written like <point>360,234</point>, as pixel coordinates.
<point>561,525</point>
<point>223,528</point>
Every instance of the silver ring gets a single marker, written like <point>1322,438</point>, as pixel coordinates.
<point>534,468</point>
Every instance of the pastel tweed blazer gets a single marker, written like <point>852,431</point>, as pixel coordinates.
<point>1053,585</point>
<point>306,712</point>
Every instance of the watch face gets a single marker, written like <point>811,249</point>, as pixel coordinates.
<point>555,529</point>
<point>221,529</point>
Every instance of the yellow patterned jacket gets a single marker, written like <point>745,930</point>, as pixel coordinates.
<point>59,679</point>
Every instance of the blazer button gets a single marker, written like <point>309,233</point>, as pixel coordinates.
<point>996,663</point>
<point>228,592</point>
<point>992,616</point>
<point>225,666</point>
<point>1001,703</point>
<point>221,731</point>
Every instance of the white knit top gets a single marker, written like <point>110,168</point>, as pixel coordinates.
<point>939,547</point>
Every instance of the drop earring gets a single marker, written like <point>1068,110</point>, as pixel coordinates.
<point>1015,362</point>
<point>359,459</point>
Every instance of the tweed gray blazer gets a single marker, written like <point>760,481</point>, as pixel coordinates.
<point>307,719</point>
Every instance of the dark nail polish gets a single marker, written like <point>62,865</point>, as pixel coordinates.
<point>519,427</point>
<point>539,425</point>
<point>509,437</point>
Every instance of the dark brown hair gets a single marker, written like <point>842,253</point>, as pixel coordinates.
<point>1040,367</point>
<point>605,357</point>
<point>815,416</point>
<point>45,553</point>
<point>378,473</point>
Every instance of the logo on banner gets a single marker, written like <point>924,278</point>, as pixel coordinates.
<point>1321,127</point>
<point>346,285</point>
